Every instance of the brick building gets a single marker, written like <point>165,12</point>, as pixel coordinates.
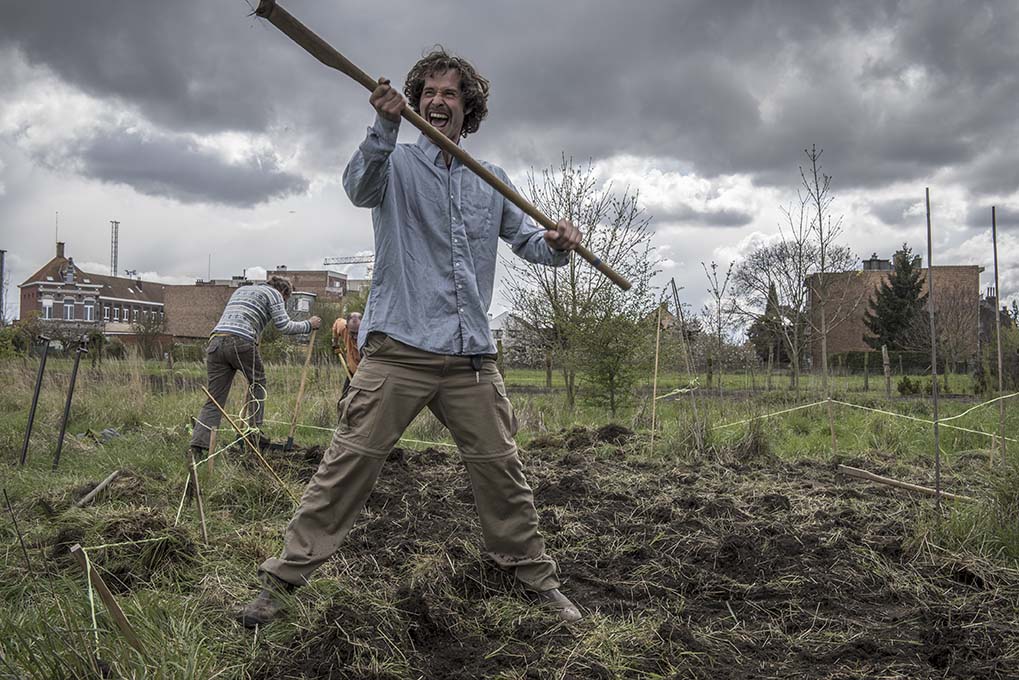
<point>957,292</point>
<point>328,286</point>
<point>192,311</point>
<point>65,297</point>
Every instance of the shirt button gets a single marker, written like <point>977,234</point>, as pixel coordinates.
<point>451,195</point>
<point>461,310</point>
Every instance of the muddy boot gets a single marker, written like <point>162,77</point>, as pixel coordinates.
<point>267,605</point>
<point>560,604</point>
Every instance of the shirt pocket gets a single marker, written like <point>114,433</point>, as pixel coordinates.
<point>478,200</point>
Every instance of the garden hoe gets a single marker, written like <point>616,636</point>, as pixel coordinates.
<point>35,396</point>
<point>321,50</point>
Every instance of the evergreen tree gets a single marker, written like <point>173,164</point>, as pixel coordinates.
<point>897,304</point>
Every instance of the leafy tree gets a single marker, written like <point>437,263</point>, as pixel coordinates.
<point>150,329</point>
<point>897,306</point>
<point>566,305</point>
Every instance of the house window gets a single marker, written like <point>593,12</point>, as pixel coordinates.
<point>90,310</point>
<point>68,309</point>
<point>116,312</point>
<point>106,312</point>
<point>47,308</point>
<point>136,314</point>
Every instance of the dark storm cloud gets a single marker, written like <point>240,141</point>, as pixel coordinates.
<point>892,212</point>
<point>686,214</point>
<point>175,168</point>
<point>893,91</point>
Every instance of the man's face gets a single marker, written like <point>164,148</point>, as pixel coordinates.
<point>442,103</point>
<point>354,323</point>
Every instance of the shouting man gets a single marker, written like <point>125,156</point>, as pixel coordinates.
<point>425,338</point>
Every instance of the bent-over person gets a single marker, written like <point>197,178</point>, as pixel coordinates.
<point>345,345</point>
<point>233,347</point>
<point>425,339</point>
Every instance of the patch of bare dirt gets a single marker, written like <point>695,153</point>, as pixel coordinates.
<point>772,571</point>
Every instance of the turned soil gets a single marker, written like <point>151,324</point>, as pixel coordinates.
<point>685,570</point>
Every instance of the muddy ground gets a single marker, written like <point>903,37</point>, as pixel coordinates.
<point>684,570</point>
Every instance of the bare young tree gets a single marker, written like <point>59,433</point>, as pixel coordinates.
<point>832,299</point>
<point>560,304</point>
<point>720,311</point>
<point>955,319</point>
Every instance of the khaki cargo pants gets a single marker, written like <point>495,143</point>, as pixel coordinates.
<point>391,386</point>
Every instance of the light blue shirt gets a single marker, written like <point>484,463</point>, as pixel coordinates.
<point>436,234</point>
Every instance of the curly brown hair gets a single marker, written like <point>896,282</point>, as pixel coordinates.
<point>473,86</point>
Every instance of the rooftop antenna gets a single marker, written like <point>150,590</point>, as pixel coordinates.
<point>114,246</point>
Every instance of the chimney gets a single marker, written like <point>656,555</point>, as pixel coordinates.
<point>60,248</point>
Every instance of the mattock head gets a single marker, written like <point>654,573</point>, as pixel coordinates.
<point>265,7</point>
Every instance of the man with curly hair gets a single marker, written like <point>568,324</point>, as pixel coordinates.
<point>424,337</point>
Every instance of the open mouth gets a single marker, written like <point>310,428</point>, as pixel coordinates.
<point>438,119</point>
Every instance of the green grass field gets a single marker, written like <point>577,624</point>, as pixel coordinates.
<point>692,555</point>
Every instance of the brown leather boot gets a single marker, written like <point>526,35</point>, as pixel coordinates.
<point>560,604</point>
<point>267,605</point>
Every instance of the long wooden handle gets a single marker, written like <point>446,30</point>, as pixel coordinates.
<point>324,52</point>
<point>108,599</point>
<point>304,377</point>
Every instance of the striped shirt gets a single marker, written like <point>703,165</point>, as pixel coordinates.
<point>250,310</point>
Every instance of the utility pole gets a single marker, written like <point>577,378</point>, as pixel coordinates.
<point>114,236</point>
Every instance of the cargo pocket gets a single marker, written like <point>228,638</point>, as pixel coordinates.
<point>360,409</point>
<point>504,410</point>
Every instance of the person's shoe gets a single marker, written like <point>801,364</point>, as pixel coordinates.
<point>267,605</point>
<point>560,604</point>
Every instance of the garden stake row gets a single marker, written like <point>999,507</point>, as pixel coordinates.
<point>82,349</point>
<point>35,396</point>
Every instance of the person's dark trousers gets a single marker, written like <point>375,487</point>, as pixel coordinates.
<point>225,355</point>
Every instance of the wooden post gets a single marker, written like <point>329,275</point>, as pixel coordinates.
<point>97,490</point>
<point>193,472</point>
<point>654,379</point>
<point>831,427</point>
<point>886,362</point>
<point>300,390</point>
<point>212,449</point>
<point>548,370</point>
<point>771,359</point>
<point>997,327</point>
<point>107,597</point>
<point>934,349</point>
<point>866,372</point>
<point>251,447</point>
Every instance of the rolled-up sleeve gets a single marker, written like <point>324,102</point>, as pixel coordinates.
<point>367,174</point>
<point>525,238</point>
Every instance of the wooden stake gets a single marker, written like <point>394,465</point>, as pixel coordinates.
<point>934,348</point>
<point>831,428</point>
<point>252,447</point>
<point>111,602</point>
<point>888,371</point>
<point>300,390</point>
<point>21,539</point>
<point>212,448</point>
<point>997,326</point>
<point>654,380</point>
<point>90,496</point>
<point>193,472</point>
<point>871,477</point>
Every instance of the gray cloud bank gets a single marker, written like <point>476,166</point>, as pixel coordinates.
<point>893,91</point>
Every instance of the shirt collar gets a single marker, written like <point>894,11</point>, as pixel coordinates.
<point>429,147</point>
<point>431,150</point>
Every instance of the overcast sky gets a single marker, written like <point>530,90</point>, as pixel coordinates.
<point>204,130</point>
